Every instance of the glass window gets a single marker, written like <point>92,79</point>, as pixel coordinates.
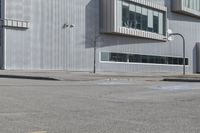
<point>186,3</point>
<point>157,60</point>
<point>180,61</point>
<point>155,21</point>
<point>134,58</point>
<point>118,57</point>
<point>122,57</point>
<point>170,60</point>
<point>187,61</point>
<point>199,5</point>
<point>161,23</point>
<point>192,4</point>
<point>198,2</point>
<point>144,18</point>
<point>152,59</point>
<point>119,13</point>
<point>163,60</point>
<point>138,17</point>
<point>132,16</point>
<point>105,56</point>
<point>125,14</point>
<point>150,20</point>
<point>144,59</point>
<point>175,61</point>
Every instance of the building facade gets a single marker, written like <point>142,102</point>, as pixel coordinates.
<point>118,35</point>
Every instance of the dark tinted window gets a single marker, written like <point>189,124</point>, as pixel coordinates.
<point>121,57</point>
<point>134,58</point>
<point>144,19</point>
<point>132,19</point>
<point>125,16</point>
<point>138,21</point>
<point>155,22</point>
<point>117,57</point>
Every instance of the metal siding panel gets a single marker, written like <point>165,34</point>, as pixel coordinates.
<point>46,45</point>
<point>116,43</point>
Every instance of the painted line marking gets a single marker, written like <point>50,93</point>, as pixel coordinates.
<point>38,132</point>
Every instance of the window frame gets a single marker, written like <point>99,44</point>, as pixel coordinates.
<point>183,7</point>
<point>110,20</point>
<point>158,60</point>
<point>142,29</point>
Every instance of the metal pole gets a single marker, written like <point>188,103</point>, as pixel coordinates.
<point>184,58</point>
<point>95,51</point>
<point>96,36</point>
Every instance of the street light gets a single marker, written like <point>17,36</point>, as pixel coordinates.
<point>184,59</point>
<point>95,52</point>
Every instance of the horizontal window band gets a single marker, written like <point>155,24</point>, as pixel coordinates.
<point>138,58</point>
<point>15,23</point>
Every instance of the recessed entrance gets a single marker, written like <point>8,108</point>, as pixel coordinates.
<point>198,58</point>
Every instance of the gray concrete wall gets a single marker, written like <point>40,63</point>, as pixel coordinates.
<point>47,45</point>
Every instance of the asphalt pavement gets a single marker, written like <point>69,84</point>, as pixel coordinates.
<point>104,105</point>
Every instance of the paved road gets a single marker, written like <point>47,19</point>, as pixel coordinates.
<point>103,106</point>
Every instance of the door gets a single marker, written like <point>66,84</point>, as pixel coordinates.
<point>198,57</point>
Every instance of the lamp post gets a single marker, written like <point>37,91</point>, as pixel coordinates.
<point>184,59</point>
<point>95,52</point>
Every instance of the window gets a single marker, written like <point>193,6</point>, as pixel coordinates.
<point>0,9</point>
<point>136,58</point>
<point>125,14</point>
<point>197,5</point>
<point>117,57</point>
<point>155,21</point>
<point>144,19</point>
<point>113,57</point>
<point>189,7</point>
<point>192,4</point>
<point>150,21</point>
<point>132,16</point>
<point>105,56</point>
<point>186,3</point>
<point>141,17</point>
<point>170,60</point>
<point>161,23</point>
<point>138,17</point>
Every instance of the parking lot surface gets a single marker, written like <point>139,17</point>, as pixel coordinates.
<point>99,106</point>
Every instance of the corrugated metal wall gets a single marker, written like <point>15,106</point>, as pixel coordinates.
<point>47,45</point>
<point>186,25</point>
<point>1,35</point>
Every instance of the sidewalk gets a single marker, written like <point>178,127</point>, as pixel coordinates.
<point>77,76</point>
<point>87,76</point>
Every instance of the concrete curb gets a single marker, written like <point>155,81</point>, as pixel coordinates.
<point>182,79</point>
<point>28,77</point>
<point>62,76</point>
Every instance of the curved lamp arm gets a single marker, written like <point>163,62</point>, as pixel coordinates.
<point>184,59</point>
